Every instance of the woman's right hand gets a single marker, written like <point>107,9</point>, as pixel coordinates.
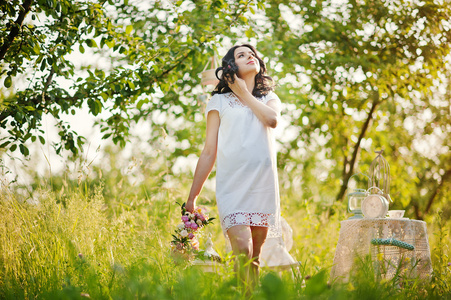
<point>238,87</point>
<point>189,206</point>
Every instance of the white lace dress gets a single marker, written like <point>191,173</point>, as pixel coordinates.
<point>247,188</point>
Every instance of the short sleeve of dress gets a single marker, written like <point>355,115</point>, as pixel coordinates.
<point>213,104</point>
<point>271,96</point>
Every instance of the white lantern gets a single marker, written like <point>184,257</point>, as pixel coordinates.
<point>355,199</point>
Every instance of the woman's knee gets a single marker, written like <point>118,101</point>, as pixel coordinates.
<point>242,245</point>
<point>241,240</point>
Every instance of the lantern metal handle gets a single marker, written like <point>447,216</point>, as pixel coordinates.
<point>375,187</point>
<point>369,179</point>
<point>380,174</point>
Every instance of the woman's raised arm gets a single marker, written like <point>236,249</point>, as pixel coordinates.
<point>266,113</point>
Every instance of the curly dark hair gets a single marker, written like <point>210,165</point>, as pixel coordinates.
<point>263,83</point>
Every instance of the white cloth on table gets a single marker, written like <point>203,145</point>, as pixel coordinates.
<point>247,188</point>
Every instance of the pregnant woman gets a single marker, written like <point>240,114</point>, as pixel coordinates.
<point>241,116</point>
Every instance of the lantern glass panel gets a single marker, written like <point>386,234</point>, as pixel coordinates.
<point>355,199</point>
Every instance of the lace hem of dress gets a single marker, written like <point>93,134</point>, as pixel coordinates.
<point>253,219</point>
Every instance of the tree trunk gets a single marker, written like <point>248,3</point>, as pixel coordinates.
<point>418,214</point>
<point>445,177</point>
<point>352,162</point>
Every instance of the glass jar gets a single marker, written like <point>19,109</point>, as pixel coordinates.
<point>355,199</point>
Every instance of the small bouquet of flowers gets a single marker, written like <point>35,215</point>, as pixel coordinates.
<point>184,239</point>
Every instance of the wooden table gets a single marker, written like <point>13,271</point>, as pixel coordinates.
<point>355,239</point>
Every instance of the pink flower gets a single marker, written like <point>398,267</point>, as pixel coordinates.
<point>185,218</point>
<point>195,244</point>
<point>202,217</point>
<point>191,235</point>
<point>188,224</point>
<point>194,226</point>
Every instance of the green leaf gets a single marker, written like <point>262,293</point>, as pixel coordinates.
<point>8,82</point>
<point>80,142</point>
<point>110,44</point>
<point>273,287</point>
<point>141,103</point>
<point>249,33</point>
<point>128,29</point>
<point>81,48</point>
<point>4,144</point>
<point>317,284</point>
<point>42,140</point>
<point>43,65</point>
<point>98,105</point>
<point>24,150</point>
<point>91,43</point>
<point>36,48</point>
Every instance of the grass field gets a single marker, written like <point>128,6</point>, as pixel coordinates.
<point>74,243</point>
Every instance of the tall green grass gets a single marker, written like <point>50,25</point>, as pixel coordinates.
<point>77,244</point>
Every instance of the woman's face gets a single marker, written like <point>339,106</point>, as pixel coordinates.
<point>246,61</point>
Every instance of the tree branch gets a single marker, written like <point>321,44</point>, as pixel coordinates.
<point>351,164</point>
<point>26,6</point>
<point>47,82</point>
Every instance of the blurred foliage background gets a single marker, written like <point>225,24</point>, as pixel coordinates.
<point>354,76</point>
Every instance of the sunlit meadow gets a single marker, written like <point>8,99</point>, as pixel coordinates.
<point>101,236</point>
